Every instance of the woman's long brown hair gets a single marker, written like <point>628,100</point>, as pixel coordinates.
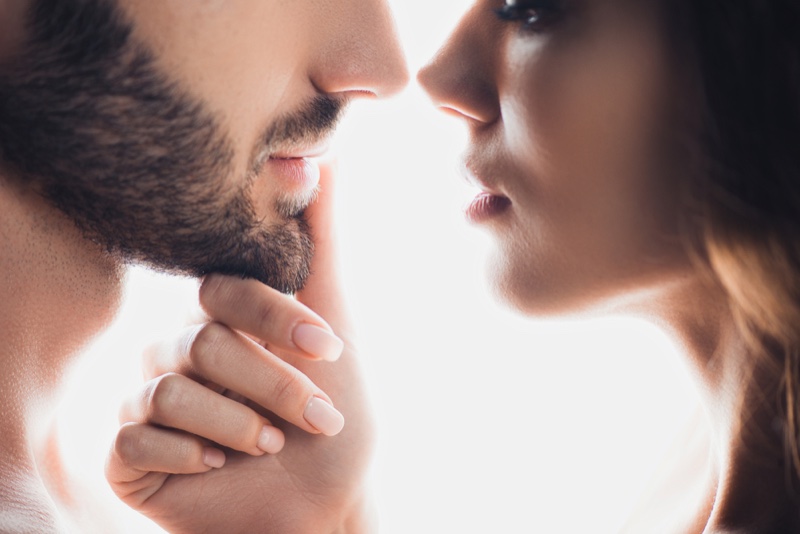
<point>743,60</point>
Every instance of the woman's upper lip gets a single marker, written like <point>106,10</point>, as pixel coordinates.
<point>475,176</point>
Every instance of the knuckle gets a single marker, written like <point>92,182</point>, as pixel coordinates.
<point>130,445</point>
<point>266,314</point>
<point>166,397</point>
<point>244,430</point>
<point>205,348</point>
<point>289,389</point>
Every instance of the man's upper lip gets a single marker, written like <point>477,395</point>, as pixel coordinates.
<point>306,151</point>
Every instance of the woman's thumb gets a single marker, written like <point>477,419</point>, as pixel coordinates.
<point>322,292</point>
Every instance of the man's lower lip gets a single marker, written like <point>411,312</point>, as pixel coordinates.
<point>300,174</point>
<point>486,206</point>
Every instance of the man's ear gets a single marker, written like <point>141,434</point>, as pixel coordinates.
<point>12,26</point>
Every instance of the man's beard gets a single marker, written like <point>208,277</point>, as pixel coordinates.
<point>142,168</point>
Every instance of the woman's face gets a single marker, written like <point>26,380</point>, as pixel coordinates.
<point>568,107</point>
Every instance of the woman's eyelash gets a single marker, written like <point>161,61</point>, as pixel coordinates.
<point>534,15</point>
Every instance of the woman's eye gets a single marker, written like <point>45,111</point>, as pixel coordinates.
<point>535,15</point>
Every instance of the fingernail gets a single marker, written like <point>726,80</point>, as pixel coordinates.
<point>271,440</point>
<point>213,457</point>
<point>318,342</point>
<point>323,417</point>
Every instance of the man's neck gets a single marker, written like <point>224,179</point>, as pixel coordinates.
<point>58,291</point>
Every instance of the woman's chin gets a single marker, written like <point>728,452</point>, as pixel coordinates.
<point>528,292</point>
<point>537,305</point>
<point>542,295</point>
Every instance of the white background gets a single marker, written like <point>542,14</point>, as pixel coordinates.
<point>489,422</point>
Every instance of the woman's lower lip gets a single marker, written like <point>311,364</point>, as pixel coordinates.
<point>299,174</point>
<point>486,206</point>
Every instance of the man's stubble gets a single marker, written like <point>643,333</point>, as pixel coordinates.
<point>141,167</point>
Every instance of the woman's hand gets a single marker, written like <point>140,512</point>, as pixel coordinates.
<point>236,431</point>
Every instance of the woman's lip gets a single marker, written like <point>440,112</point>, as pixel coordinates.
<point>486,206</point>
<point>477,180</point>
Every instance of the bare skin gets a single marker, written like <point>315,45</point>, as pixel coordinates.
<point>43,276</point>
<point>566,106</point>
<point>565,124</point>
<point>315,484</point>
<point>60,289</point>
<point>731,462</point>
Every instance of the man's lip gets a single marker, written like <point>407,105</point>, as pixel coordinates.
<point>314,151</point>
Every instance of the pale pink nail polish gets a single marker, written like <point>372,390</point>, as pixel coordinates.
<point>318,342</point>
<point>323,417</point>
<point>213,457</point>
<point>271,440</point>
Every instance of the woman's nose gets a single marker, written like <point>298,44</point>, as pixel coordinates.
<point>362,55</point>
<point>460,79</point>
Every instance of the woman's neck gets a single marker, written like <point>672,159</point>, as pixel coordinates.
<point>740,396</point>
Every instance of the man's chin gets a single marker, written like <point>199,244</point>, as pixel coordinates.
<point>286,271</point>
<point>282,262</point>
<point>293,208</point>
<point>288,281</point>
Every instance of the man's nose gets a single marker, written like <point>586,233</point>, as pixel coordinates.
<point>362,55</point>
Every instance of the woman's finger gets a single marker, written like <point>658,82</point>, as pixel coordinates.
<point>277,319</point>
<point>142,457</point>
<point>323,292</point>
<point>217,354</point>
<point>140,448</point>
<point>260,311</point>
<point>177,402</point>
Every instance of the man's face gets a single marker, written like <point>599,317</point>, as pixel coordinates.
<point>178,133</point>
